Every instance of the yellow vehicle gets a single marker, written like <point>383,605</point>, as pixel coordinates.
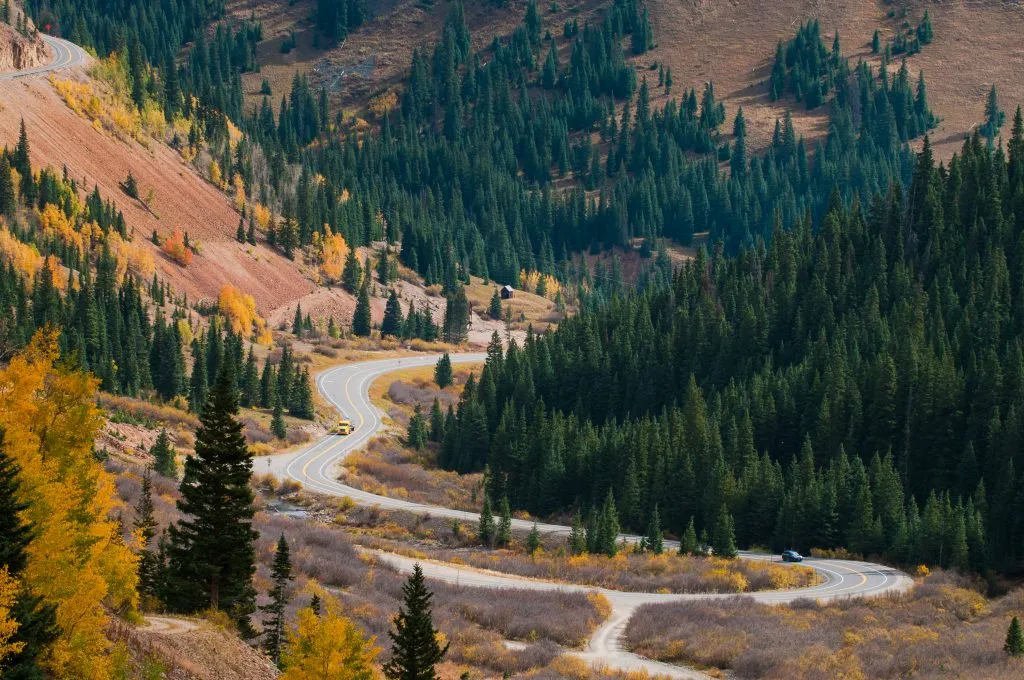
<point>343,427</point>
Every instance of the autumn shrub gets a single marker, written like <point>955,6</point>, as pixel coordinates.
<point>174,247</point>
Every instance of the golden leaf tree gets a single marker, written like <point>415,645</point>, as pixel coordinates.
<point>327,647</point>
<point>8,626</point>
<point>77,561</point>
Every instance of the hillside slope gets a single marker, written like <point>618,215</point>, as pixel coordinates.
<point>181,198</point>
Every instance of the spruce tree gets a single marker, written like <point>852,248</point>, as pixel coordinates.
<point>268,384</point>
<point>577,535</point>
<point>274,624</point>
<point>503,538</point>
<point>211,560</point>
<point>994,115</point>
<point>145,527</point>
<point>314,604</point>
<point>1014,645</point>
<point>533,540</point>
<point>688,542</point>
<point>494,309</point>
<point>384,269</point>
<point>436,422</point>
<point>352,274</point>
<point>724,540</point>
<point>297,324</point>
<point>416,434</point>
<point>443,371</point>
<point>361,322</point>
<point>164,456</point>
<point>485,529</point>
<point>37,621</point>
<point>653,541</point>
<point>608,527</point>
<point>277,425</point>
<point>456,316</point>
<point>392,324</point>
<point>416,650</point>
<point>7,197</point>
<point>301,405</point>
<point>240,231</point>
<point>198,383</point>
<point>250,384</point>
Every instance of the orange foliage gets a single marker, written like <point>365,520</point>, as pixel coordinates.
<point>174,248</point>
<point>26,259</point>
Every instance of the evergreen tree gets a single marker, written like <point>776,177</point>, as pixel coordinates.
<point>37,621</point>
<point>503,537</point>
<point>268,385</point>
<point>456,316</point>
<point>280,578</point>
<point>384,269</point>
<point>876,42</point>
<point>211,560</point>
<point>145,529</point>
<point>314,604</point>
<point>198,383</point>
<point>7,197</point>
<point>301,405</point>
<point>994,115</point>
<point>485,529</point>
<point>1014,645</point>
<point>240,231</point>
<point>416,435</point>
<point>494,308</point>
<point>416,649</point>
<point>250,386</point>
<point>277,425</point>
<point>436,422</point>
<point>654,541</point>
<point>688,542</point>
<point>164,456</point>
<point>361,317</point>
<point>443,371</point>
<point>352,274</point>
<point>577,535</point>
<point>297,323</point>
<point>606,541</point>
<point>533,540</point>
<point>723,541</point>
<point>392,324</point>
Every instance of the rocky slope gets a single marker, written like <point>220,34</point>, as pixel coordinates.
<point>18,52</point>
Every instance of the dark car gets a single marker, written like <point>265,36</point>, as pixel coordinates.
<point>792,556</point>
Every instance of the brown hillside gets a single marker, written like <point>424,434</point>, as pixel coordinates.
<point>18,52</point>
<point>59,137</point>
<point>977,43</point>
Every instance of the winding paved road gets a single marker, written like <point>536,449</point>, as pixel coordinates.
<point>317,469</point>
<point>65,55</point>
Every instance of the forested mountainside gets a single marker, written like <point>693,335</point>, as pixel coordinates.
<point>856,385</point>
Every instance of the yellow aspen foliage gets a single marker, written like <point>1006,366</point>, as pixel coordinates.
<point>55,224</point>
<point>262,215</point>
<point>383,104</point>
<point>185,331</point>
<point>239,310</point>
<point>327,647</point>
<point>333,253</point>
<point>26,259</point>
<point>216,176</point>
<point>8,626</point>
<point>239,185</point>
<point>76,560</point>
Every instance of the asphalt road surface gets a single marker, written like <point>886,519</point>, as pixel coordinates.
<point>65,55</point>
<point>317,468</point>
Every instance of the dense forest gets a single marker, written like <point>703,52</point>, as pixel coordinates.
<point>857,385</point>
<point>461,171</point>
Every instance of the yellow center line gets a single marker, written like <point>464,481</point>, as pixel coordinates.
<point>305,468</point>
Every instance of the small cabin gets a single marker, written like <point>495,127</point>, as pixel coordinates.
<point>507,292</point>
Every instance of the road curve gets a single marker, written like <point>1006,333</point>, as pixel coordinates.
<point>66,54</point>
<point>347,387</point>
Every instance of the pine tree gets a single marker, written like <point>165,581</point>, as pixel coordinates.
<point>485,529</point>
<point>724,540</point>
<point>145,528</point>
<point>37,621</point>
<point>443,371</point>
<point>198,383</point>
<point>250,381</point>
<point>503,538</point>
<point>314,604</point>
<point>533,540</point>
<point>494,308</point>
<point>392,324</point>
<point>268,384</point>
<point>653,541</point>
<point>301,405</point>
<point>240,231</point>
<point>7,197</point>
<point>416,649</point>
<point>436,422</point>
<point>211,560</point>
<point>994,116</point>
<point>280,577</point>
<point>352,274</point>
<point>250,235</point>
<point>297,324</point>
<point>688,542</point>
<point>277,425</point>
<point>456,316</point>
<point>361,317</point>
<point>416,435</point>
<point>384,268</point>
<point>608,528</point>
<point>876,43</point>
<point>1014,645</point>
<point>164,456</point>
<point>577,535</point>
